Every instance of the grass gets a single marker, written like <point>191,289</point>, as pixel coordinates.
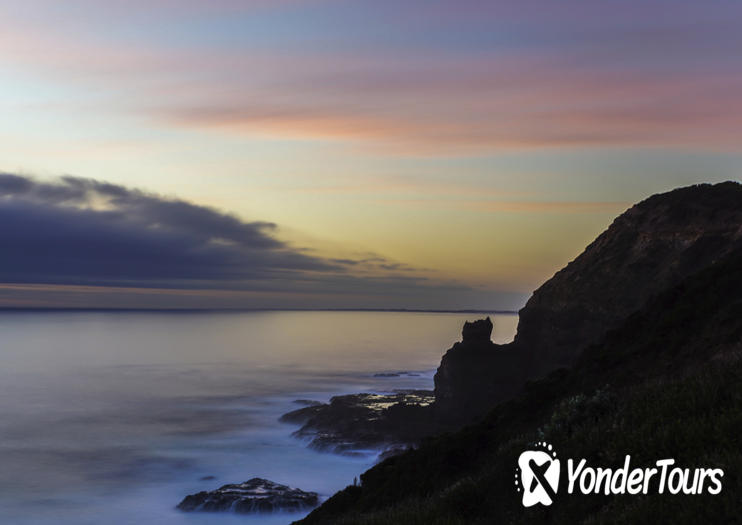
<point>697,420</point>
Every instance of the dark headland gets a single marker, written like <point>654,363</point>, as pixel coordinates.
<point>633,348</point>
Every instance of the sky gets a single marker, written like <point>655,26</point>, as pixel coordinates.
<point>344,154</point>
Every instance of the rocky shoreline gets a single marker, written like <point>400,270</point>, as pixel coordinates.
<point>382,424</point>
<point>569,326</point>
<point>353,424</point>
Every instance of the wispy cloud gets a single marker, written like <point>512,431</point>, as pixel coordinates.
<point>509,206</point>
<point>631,74</point>
<point>492,106</point>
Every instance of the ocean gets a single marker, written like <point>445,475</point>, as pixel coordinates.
<point>114,417</point>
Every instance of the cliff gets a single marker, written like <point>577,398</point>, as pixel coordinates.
<point>650,248</point>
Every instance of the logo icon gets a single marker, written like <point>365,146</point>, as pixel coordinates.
<point>537,475</point>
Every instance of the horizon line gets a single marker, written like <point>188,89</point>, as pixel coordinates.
<point>4,309</point>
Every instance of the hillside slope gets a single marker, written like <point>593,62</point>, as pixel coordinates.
<point>665,382</point>
<point>648,249</point>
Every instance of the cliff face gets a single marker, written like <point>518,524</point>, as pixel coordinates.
<point>648,249</point>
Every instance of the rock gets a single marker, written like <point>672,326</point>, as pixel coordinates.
<point>302,415</point>
<point>356,423</point>
<point>473,372</point>
<point>392,451</point>
<point>207,478</point>
<point>307,402</point>
<point>480,330</point>
<point>255,495</point>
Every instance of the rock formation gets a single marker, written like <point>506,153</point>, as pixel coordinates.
<point>473,372</point>
<point>356,423</point>
<point>648,249</point>
<point>477,331</point>
<point>255,495</point>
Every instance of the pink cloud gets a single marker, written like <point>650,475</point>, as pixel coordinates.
<point>511,108</point>
<point>409,101</point>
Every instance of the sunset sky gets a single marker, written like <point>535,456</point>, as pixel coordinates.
<point>418,154</point>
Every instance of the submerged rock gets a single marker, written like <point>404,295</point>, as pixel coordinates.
<point>354,423</point>
<point>255,495</point>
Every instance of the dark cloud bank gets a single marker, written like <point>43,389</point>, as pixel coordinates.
<point>81,231</point>
<point>76,231</point>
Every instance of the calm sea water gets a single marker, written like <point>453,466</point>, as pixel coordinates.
<point>115,417</point>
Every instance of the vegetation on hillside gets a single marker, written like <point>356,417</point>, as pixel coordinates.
<point>666,384</point>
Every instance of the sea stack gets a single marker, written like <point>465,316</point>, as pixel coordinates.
<point>473,372</point>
